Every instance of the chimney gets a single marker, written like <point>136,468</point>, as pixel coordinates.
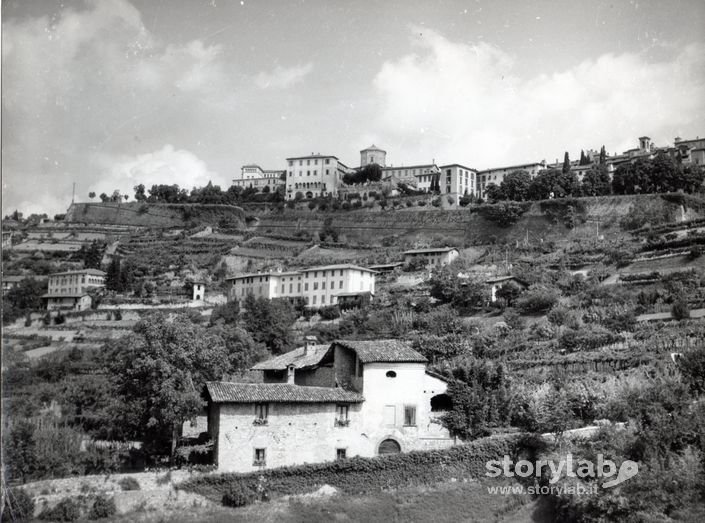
<point>309,342</point>
<point>290,372</point>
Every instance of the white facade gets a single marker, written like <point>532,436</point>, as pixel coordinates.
<point>432,257</point>
<point>318,286</point>
<point>75,282</point>
<point>421,176</point>
<point>373,155</point>
<point>384,406</point>
<point>199,291</point>
<point>458,180</point>
<point>252,175</point>
<point>314,175</point>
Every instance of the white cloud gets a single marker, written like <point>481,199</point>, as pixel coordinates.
<point>283,77</point>
<point>463,103</point>
<point>164,166</point>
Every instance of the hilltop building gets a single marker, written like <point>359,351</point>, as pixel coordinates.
<point>314,175</point>
<point>691,151</point>
<point>373,155</point>
<point>327,402</point>
<point>458,180</point>
<point>318,286</point>
<point>69,290</point>
<point>253,176</point>
<point>419,176</point>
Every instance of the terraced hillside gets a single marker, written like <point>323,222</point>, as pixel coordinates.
<point>156,215</point>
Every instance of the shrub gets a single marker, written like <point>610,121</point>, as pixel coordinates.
<point>59,319</point>
<point>238,495</point>
<point>129,483</point>
<point>695,252</point>
<point>421,203</point>
<point>329,313</point>
<point>19,506</point>
<point>103,507</point>
<point>436,202</point>
<point>409,203</point>
<point>68,509</point>
<point>537,298</point>
<point>680,309</point>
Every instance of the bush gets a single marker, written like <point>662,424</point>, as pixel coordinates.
<point>129,483</point>
<point>329,313</point>
<point>359,475</point>
<point>19,506</point>
<point>103,507</point>
<point>68,509</point>
<point>680,309</point>
<point>537,298</point>
<point>238,495</point>
<point>695,252</point>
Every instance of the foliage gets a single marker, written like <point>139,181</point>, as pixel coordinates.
<point>68,509</point>
<point>129,483</point>
<point>368,173</point>
<point>596,181</point>
<point>503,214</point>
<point>242,350</point>
<point>363,475</point>
<point>680,309</point>
<point>22,299</point>
<point>159,371</point>
<point>330,312</point>
<point>661,174</point>
<point>119,276</point>
<point>270,322</point>
<point>92,255</point>
<point>18,506</point>
<point>692,366</point>
<point>227,314</point>
<point>238,495</point>
<point>447,287</point>
<point>537,298</point>
<point>552,183</point>
<point>103,507</point>
<point>19,449</point>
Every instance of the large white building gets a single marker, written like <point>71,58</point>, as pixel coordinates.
<point>318,286</point>
<point>327,402</point>
<point>420,176</point>
<point>253,176</point>
<point>314,175</point>
<point>69,290</point>
<point>458,180</point>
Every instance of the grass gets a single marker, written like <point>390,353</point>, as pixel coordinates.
<point>444,502</point>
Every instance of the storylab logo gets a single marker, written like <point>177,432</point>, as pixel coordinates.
<point>604,469</point>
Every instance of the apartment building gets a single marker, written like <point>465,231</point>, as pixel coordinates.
<point>318,286</point>
<point>253,176</point>
<point>458,180</point>
<point>314,175</point>
<point>69,290</point>
<point>421,176</point>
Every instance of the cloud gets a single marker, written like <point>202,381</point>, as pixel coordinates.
<point>458,102</point>
<point>164,166</point>
<point>93,82</point>
<point>283,77</point>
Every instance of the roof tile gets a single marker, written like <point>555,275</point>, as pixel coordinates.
<point>229,392</point>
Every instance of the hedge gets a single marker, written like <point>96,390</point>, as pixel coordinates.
<point>363,475</point>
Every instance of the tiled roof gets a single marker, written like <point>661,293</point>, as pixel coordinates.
<point>67,295</point>
<point>94,272</point>
<point>336,267</point>
<point>296,357</point>
<point>387,351</point>
<point>439,249</point>
<point>506,278</point>
<point>229,392</point>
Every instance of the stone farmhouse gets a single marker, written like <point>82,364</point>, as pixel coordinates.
<point>318,286</point>
<point>326,402</point>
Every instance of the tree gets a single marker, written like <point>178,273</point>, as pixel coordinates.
<point>22,299</point>
<point>92,255</point>
<point>596,181</point>
<point>584,160</point>
<point>140,195</point>
<point>494,192</point>
<point>158,372</point>
<point>515,186</point>
<point>270,322</point>
<point>104,197</point>
<point>551,181</point>
<point>603,156</point>
<point>566,163</point>
<point>91,195</point>
<point>242,350</point>
<point>228,313</point>
<point>20,449</point>
<point>692,367</point>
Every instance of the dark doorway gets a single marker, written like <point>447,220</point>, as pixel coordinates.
<point>389,446</point>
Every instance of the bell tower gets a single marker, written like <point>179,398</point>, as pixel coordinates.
<point>373,154</point>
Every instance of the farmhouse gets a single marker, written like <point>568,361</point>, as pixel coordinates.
<point>433,257</point>
<point>326,402</point>
<point>502,281</point>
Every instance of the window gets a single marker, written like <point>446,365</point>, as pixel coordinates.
<point>327,161</point>
<point>332,285</point>
<point>341,453</point>
<point>261,411</point>
<point>323,299</point>
<point>341,412</point>
<point>305,286</point>
<point>391,374</point>
<point>323,285</point>
<point>260,457</point>
<point>409,416</point>
<point>315,285</point>
<point>314,300</point>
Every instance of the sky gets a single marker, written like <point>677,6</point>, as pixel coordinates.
<point>108,94</point>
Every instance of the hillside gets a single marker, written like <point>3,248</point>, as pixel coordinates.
<point>138,214</point>
<point>473,225</point>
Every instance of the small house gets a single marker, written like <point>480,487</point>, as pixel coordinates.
<point>499,282</point>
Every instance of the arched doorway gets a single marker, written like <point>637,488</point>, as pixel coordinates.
<point>389,446</point>
<point>441,403</point>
